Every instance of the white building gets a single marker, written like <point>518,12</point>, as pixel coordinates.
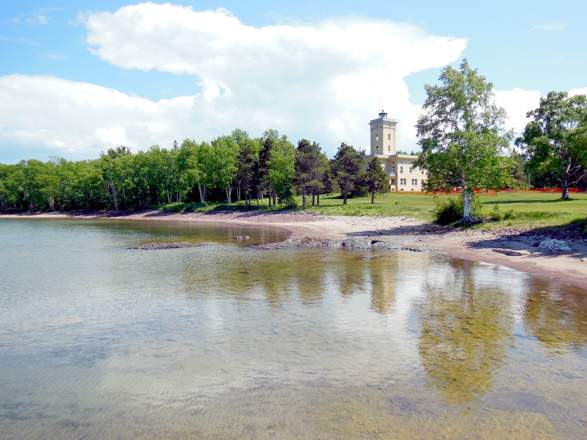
<point>403,174</point>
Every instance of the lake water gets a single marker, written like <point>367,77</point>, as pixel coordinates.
<point>225,341</point>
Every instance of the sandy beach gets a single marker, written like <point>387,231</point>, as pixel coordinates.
<point>558,258</point>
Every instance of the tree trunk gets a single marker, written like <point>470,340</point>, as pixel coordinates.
<point>372,197</point>
<point>318,199</point>
<point>304,198</point>
<point>202,192</point>
<point>467,205</point>
<point>344,198</point>
<point>114,197</point>
<point>565,187</point>
<point>229,194</point>
<point>313,198</point>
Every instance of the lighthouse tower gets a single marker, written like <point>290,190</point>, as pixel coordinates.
<point>383,135</point>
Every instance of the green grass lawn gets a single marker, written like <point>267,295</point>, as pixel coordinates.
<point>518,209</point>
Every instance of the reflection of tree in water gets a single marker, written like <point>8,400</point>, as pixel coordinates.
<point>464,333</point>
<point>310,272</point>
<point>382,271</point>
<point>557,317</point>
<point>351,272</point>
<point>276,274</point>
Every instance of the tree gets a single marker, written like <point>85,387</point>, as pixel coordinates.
<point>245,174</point>
<point>205,164</point>
<point>275,170</point>
<point>346,169</point>
<point>520,178</point>
<point>222,166</point>
<point>309,169</point>
<point>376,177</point>
<point>282,171</point>
<point>554,140</point>
<point>262,178</point>
<point>188,167</point>
<point>462,137</point>
<point>320,182</point>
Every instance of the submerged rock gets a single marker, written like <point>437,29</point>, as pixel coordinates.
<point>364,242</point>
<point>157,246</point>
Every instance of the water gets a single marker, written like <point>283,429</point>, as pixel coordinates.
<point>225,341</point>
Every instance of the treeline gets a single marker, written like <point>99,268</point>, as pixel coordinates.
<point>235,167</point>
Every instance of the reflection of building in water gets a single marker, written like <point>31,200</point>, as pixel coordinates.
<point>556,316</point>
<point>403,174</point>
<point>464,334</point>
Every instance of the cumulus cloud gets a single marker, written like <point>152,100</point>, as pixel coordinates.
<point>517,103</point>
<point>579,91</point>
<point>77,117</point>
<point>320,80</point>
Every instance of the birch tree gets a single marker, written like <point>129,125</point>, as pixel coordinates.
<point>464,144</point>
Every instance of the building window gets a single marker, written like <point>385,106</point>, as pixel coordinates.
<point>401,169</point>
<point>402,181</point>
<point>415,182</point>
<point>388,137</point>
<point>411,168</point>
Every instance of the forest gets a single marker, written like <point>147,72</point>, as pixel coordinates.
<point>231,168</point>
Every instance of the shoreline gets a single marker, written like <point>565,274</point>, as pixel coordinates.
<point>519,250</point>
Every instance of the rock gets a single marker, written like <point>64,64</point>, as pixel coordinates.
<point>508,252</point>
<point>554,245</point>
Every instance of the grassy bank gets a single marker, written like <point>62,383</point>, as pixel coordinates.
<point>515,209</point>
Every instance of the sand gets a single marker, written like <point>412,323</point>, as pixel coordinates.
<point>520,250</point>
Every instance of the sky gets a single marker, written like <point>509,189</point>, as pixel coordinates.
<point>78,77</point>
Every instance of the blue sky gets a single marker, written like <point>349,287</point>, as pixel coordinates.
<point>534,46</point>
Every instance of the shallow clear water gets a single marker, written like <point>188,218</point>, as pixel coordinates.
<point>222,340</point>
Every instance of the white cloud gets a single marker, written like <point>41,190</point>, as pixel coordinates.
<point>320,80</point>
<point>549,27</point>
<point>517,103</point>
<point>580,91</point>
<point>81,118</point>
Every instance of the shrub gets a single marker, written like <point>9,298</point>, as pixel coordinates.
<point>496,215</point>
<point>173,207</point>
<point>448,211</point>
